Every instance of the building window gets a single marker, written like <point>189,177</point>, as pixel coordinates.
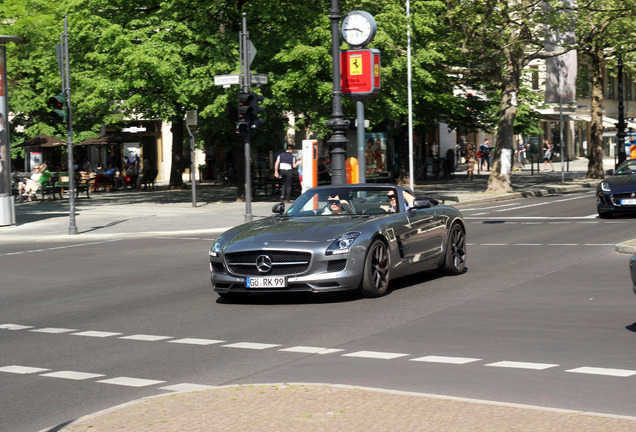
<point>534,71</point>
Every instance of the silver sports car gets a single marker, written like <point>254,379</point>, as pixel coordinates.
<point>333,238</point>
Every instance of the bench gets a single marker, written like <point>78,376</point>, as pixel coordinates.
<point>83,183</point>
<point>148,179</point>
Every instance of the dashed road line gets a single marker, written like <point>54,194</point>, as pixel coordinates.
<point>379,355</point>
<point>522,365</point>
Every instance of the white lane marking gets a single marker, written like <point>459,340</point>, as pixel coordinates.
<point>603,371</point>
<point>522,365</point>
<point>53,330</point>
<point>522,218</point>
<point>97,334</point>
<point>22,369</point>
<point>251,345</point>
<point>145,337</point>
<point>14,327</point>
<point>375,355</point>
<point>60,247</point>
<point>444,359</point>
<point>563,244</point>
<point>489,208</point>
<point>187,387</point>
<point>72,375</point>
<point>195,341</point>
<point>311,350</point>
<point>130,382</point>
<point>527,244</point>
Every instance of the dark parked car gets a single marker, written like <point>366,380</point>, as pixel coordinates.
<point>617,193</point>
<point>333,238</point>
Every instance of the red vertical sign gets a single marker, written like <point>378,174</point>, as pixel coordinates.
<point>360,73</point>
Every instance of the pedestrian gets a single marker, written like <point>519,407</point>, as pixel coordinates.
<point>283,168</point>
<point>547,155</point>
<point>470,162</point>
<point>484,150</point>
<point>521,153</point>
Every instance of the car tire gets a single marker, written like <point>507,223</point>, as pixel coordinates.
<point>375,276</point>
<point>455,260</point>
<point>604,214</point>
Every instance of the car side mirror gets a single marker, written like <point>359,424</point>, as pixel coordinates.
<point>609,172</point>
<point>279,208</point>
<point>421,204</point>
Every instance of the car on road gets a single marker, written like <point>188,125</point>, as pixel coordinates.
<point>617,192</point>
<point>336,238</point>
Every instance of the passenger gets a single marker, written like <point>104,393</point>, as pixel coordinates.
<point>393,205</point>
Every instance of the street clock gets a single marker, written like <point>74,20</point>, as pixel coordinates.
<point>358,28</point>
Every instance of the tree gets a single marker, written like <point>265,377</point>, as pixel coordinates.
<point>605,29</point>
<point>494,41</point>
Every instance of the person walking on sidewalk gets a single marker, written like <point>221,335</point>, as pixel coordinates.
<point>285,163</point>
<point>470,162</point>
<point>547,155</point>
<point>484,151</point>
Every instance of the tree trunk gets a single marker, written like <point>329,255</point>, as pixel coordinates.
<point>499,181</point>
<point>595,164</point>
<point>176,171</point>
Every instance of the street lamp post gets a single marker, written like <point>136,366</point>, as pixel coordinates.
<point>7,209</point>
<point>338,140</point>
<point>621,125</point>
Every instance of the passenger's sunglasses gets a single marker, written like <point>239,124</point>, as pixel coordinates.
<point>332,202</point>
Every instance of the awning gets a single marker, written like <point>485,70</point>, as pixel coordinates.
<point>114,138</point>
<point>43,141</point>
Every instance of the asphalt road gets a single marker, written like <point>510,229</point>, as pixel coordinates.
<point>544,315</point>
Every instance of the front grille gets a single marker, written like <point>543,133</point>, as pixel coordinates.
<point>284,263</point>
<point>616,198</point>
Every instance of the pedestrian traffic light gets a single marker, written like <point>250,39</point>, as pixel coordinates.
<point>58,111</point>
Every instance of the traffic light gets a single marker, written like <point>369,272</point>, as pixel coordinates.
<point>249,110</point>
<point>254,102</point>
<point>58,111</point>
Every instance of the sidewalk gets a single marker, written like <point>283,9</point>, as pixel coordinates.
<point>292,407</point>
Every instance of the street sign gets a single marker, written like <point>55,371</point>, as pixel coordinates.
<point>251,51</point>
<point>226,80</point>
<point>258,79</point>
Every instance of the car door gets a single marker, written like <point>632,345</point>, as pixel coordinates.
<point>424,236</point>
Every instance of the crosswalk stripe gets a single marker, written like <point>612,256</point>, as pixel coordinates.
<point>22,369</point>
<point>522,365</point>
<point>603,371</point>
<point>195,341</point>
<point>97,334</point>
<point>375,355</point>
<point>251,345</point>
<point>130,382</point>
<point>71,375</point>
<point>443,359</point>
<point>311,350</point>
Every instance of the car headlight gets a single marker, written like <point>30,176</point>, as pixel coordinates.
<point>342,244</point>
<point>605,187</point>
<point>216,248</point>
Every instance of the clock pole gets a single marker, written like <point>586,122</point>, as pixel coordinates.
<point>338,140</point>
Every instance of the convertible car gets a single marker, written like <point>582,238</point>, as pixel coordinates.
<point>335,238</point>
<point>617,193</point>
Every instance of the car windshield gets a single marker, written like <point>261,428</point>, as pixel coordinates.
<point>344,202</point>
<point>627,167</point>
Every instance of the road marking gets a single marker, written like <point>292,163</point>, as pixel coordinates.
<point>71,375</point>
<point>311,350</point>
<point>14,327</point>
<point>603,371</point>
<point>194,341</point>
<point>375,355</point>
<point>251,345</point>
<point>131,382</point>
<point>447,360</point>
<point>145,337</point>
<point>59,247</point>
<point>22,369</point>
<point>522,365</point>
<point>97,334</point>
<point>53,330</point>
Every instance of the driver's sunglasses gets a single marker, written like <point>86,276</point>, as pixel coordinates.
<point>391,196</point>
<point>332,202</point>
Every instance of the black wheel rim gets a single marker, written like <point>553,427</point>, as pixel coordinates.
<point>458,248</point>
<point>379,266</point>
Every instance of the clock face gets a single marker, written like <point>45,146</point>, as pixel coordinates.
<point>358,28</point>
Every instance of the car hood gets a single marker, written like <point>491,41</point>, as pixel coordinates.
<point>282,231</point>
<point>622,182</point>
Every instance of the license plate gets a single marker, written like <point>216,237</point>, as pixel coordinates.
<point>630,201</point>
<point>265,282</point>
